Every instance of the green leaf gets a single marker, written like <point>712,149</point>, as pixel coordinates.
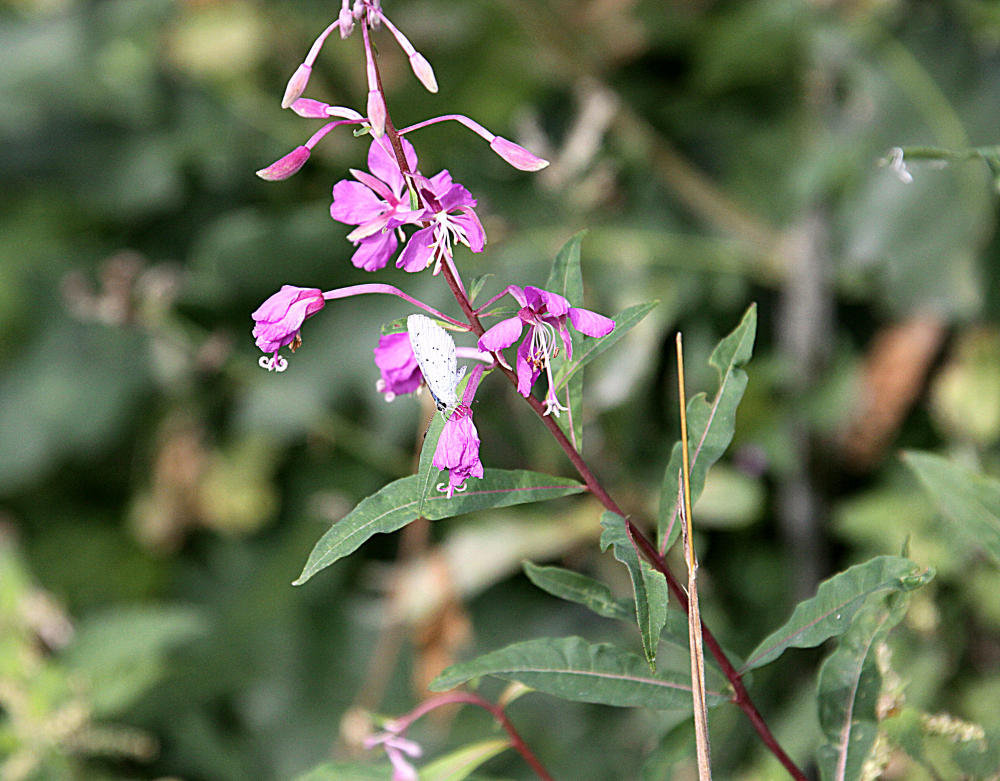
<point>457,765</point>
<point>710,425</point>
<point>398,503</point>
<point>500,488</point>
<point>574,587</point>
<point>476,286</point>
<point>573,669</point>
<point>988,154</point>
<point>849,687</point>
<point>650,586</point>
<point>347,771</point>
<point>829,613</point>
<point>566,279</point>
<point>122,653</point>
<point>969,500</point>
<point>590,348</point>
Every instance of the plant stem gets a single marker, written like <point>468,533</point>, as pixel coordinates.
<point>400,725</point>
<point>740,696</point>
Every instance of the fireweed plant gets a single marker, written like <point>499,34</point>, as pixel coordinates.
<point>416,219</point>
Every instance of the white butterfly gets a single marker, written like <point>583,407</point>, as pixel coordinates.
<point>435,352</point>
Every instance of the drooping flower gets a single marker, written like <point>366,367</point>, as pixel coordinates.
<point>398,367</point>
<point>395,746</point>
<point>458,446</point>
<point>545,314</point>
<point>378,203</point>
<point>453,221</point>
<point>279,319</point>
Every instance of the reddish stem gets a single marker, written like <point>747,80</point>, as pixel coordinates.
<point>400,725</point>
<point>741,697</point>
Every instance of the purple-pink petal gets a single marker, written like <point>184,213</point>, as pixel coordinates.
<point>355,204</point>
<point>374,251</point>
<point>382,163</point>
<point>469,222</point>
<point>501,335</point>
<point>286,166</point>
<point>418,252</point>
<point>458,449</point>
<point>590,323</point>
<point>440,183</point>
<point>277,321</point>
<point>527,371</point>
<point>517,294</point>
<point>397,365</point>
<point>455,197</point>
<point>544,302</point>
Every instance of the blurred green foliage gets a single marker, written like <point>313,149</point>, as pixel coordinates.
<point>159,492</point>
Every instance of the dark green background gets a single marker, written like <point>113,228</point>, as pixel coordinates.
<point>164,491</point>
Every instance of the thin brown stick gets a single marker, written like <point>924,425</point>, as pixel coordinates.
<point>695,650</point>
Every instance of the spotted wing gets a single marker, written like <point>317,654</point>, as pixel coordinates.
<point>435,352</point>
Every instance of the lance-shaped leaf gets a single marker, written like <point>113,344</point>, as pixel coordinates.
<point>574,587</point>
<point>566,279</point>
<point>499,488</point>
<point>969,500</point>
<point>650,586</point>
<point>710,423</point>
<point>398,503</point>
<point>457,765</point>
<point>574,669</point>
<point>347,771</point>
<point>849,688</point>
<point>830,612</point>
<point>589,349</point>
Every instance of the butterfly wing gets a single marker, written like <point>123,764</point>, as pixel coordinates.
<point>435,352</point>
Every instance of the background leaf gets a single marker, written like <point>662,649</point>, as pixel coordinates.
<point>398,503</point>
<point>590,347</point>
<point>573,586</point>
<point>649,585</point>
<point>573,669</point>
<point>710,424</point>
<point>838,598</point>
<point>566,279</point>
<point>971,502</point>
<point>459,764</point>
<point>849,687</point>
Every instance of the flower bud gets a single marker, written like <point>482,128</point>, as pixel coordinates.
<point>423,71</point>
<point>310,109</point>
<point>286,166</point>
<point>296,85</point>
<point>346,19</point>
<point>516,155</point>
<point>376,113</point>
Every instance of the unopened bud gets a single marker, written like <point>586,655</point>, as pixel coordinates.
<point>296,85</point>
<point>376,113</point>
<point>423,71</point>
<point>517,155</point>
<point>343,112</point>
<point>310,109</point>
<point>346,19</point>
<point>286,166</point>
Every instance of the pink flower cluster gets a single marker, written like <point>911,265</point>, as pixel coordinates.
<point>382,204</point>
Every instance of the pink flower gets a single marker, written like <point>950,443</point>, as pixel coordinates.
<point>453,221</point>
<point>378,203</point>
<point>400,372</point>
<point>545,315</point>
<point>395,746</point>
<point>279,319</point>
<point>458,447</point>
